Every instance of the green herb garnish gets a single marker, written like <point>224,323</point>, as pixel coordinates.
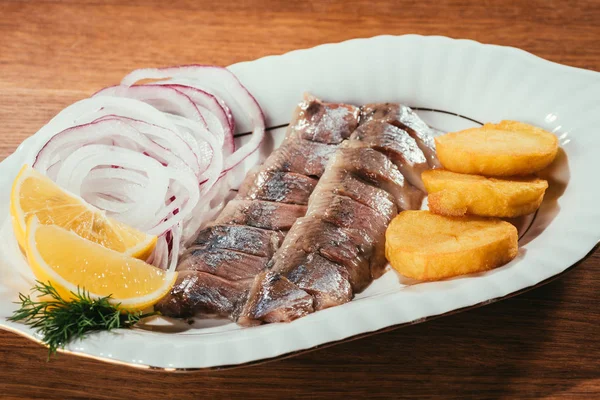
<point>59,321</point>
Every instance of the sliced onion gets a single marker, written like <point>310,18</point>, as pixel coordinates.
<point>185,115</point>
<point>105,130</point>
<point>225,85</point>
<point>163,98</point>
<point>216,114</point>
<point>154,156</point>
<point>175,247</point>
<point>184,145</point>
<point>161,253</point>
<point>88,110</point>
<point>214,168</point>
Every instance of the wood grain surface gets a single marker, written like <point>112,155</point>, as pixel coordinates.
<point>541,344</point>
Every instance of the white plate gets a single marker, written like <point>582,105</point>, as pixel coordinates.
<point>481,82</point>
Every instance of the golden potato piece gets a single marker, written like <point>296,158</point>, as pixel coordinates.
<point>504,149</point>
<point>428,247</point>
<point>456,194</point>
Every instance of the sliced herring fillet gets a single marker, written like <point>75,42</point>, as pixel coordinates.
<point>214,272</point>
<point>404,117</point>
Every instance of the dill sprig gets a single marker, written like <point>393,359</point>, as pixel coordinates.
<point>60,321</point>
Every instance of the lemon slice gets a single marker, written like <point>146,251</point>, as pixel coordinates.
<point>34,194</point>
<point>68,261</point>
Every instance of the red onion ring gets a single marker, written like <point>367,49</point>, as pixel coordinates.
<point>216,114</point>
<point>154,156</point>
<point>225,85</point>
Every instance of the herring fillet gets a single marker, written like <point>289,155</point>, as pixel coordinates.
<point>337,249</point>
<point>216,272</point>
<point>404,118</point>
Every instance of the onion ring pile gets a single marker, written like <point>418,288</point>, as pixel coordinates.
<point>156,155</point>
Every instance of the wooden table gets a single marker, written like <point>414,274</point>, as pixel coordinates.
<point>542,344</point>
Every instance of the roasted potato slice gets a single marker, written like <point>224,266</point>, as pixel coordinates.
<point>428,247</point>
<point>456,194</point>
<point>504,149</point>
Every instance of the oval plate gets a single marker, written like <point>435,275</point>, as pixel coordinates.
<point>453,84</point>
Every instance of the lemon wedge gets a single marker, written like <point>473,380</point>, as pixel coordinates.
<point>34,194</point>
<point>69,262</point>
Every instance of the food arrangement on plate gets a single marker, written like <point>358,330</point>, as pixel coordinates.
<point>186,203</point>
<point>130,203</point>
